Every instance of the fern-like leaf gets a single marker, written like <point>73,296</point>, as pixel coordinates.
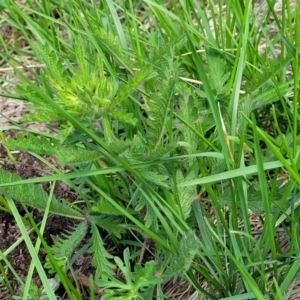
<point>65,244</point>
<point>64,154</point>
<point>189,113</point>
<point>111,43</point>
<point>271,94</point>
<point>54,64</point>
<point>255,203</point>
<point>100,261</point>
<point>132,84</point>
<point>160,104</point>
<point>137,150</point>
<point>82,57</point>
<point>186,194</point>
<point>217,71</point>
<point>112,224</point>
<point>44,111</point>
<point>34,196</point>
<point>150,217</point>
<point>123,117</point>
<point>71,155</point>
<point>155,177</point>
<point>160,152</point>
<point>41,116</point>
<point>270,68</point>
<point>182,260</point>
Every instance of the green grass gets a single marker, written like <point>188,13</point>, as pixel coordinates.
<point>174,124</point>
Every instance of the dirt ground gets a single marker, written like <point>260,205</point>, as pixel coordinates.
<point>28,166</point>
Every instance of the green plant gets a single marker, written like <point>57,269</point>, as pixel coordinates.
<point>139,284</point>
<point>169,145</point>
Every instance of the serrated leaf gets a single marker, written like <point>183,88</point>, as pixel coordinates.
<point>65,244</point>
<point>34,196</point>
<point>33,144</point>
<point>54,65</point>
<point>217,71</point>
<point>159,104</point>
<point>255,203</point>
<point>155,177</point>
<point>111,43</point>
<point>186,195</point>
<point>160,152</point>
<point>137,149</point>
<point>111,224</point>
<point>124,117</point>
<point>132,84</point>
<point>71,155</point>
<point>41,116</point>
<point>271,94</point>
<point>37,102</point>
<point>100,261</point>
<point>182,260</point>
<point>189,113</point>
<point>268,70</point>
<point>150,217</point>
<point>82,57</point>
<point>64,154</point>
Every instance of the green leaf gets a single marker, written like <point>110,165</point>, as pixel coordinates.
<point>124,117</point>
<point>144,275</point>
<point>3,5</point>
<point>136,283</point>
<point>101,257</point>
<point>111,43</point>
<point>269,69</point>
<point>64,154</point>
<point>111,224</point>
<point>150,218</point>
<point>44,111</point>
<point>54,64</point>
<point>65,244</point>
<point>132,84</point>
<point>189,112</point>
<point>270,94</point>
<point>255,203</point>
<point>159,104</point>
<point>155,177</point>
<point>82,57</point>
<point>216,71</point>
<point>186,194</point>
<point>34,196</point>
<point>181,261</point>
